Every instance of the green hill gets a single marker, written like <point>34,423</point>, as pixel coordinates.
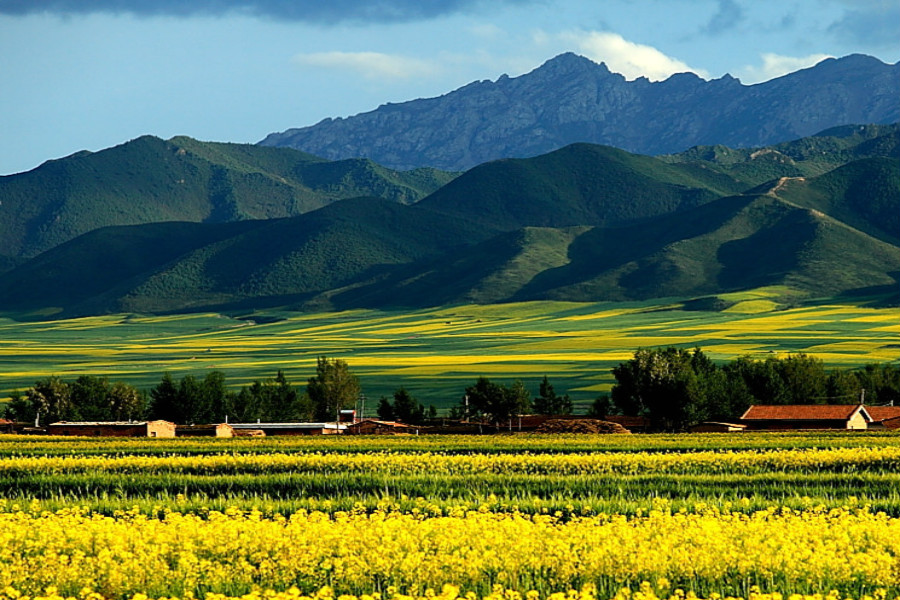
<point>150,180</point>
<point>181,266</point>
<point>736,243</point>
<point>577,185</point>
<point>863,193</point>
<point>805,157</point>
<point>584,223</point>
<point>733,244</point>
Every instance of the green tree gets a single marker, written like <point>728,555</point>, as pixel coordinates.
<point>90,398</point>
<point>51,400</point>
<point>762,379</point>
<point>126,403</point>
<point>385,409</point>
<point>842,387</point>
<point>548,403</point>
<point>881,383</point>
<point>497,403</point>
<point>601,407</point>
<point>804,378</point>
<point>19,409</point>
<point>663,385</point>
<point>406,408</point>
<point>165,401</point>
<point>333,388</point>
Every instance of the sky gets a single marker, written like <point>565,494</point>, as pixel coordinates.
<point>90,74</point>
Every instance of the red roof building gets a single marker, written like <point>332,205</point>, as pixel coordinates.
<point>880,414</point>
<point>806,416</point>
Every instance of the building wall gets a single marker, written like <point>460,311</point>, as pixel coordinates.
<point>715,428</point>
<point>160,429</point>
<point>857,421</point>
<point>136,430</point>
<point>777,425</point>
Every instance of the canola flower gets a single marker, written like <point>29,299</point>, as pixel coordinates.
<point>704,461</point>
<point>450,592</point>
<point>232,553</point>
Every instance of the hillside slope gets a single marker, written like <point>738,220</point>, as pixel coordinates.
<point>583,223</point>
<point>150,180</point>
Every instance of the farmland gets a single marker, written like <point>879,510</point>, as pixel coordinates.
<point>517,516</point>
<point>435,353</point>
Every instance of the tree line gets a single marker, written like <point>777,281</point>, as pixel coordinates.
<point>190,399</point>
<point>675,388</point>
<point>672,387</point>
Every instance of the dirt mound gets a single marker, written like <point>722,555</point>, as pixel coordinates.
<point>580,426</point>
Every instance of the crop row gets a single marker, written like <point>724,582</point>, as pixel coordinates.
<point>233,552</point>
<point>445,444</point>
<point>708,461</point>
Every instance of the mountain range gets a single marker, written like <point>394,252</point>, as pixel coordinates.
<point>571,99</point>
<point>274,227</point>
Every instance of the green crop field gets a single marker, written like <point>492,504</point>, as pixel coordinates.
<point>436,353</point>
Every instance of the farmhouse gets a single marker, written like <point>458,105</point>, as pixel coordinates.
<point>7,426</point>
<point>806,416</point>
<point>222,430</point>
<point>376,427</point>
<point>291,428</point>
<point>162,429</point>
<point>881,415</point>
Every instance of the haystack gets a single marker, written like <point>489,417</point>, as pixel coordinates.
<point>580,426</point>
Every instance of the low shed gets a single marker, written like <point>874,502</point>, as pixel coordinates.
<point>376,427</point>
<point>717,427</point>
<point>161,429</point>
<point>222,430</point>
<point>292,428</point>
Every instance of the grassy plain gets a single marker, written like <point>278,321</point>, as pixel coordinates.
<point>435,353</point>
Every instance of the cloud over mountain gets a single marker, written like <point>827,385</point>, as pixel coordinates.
<point>631,59</point>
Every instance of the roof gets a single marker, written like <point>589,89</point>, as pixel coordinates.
<point>104,423</point>
<point>396,424</point>
<point>880,413</point>
<point>803,412</point>
<point>329,425</point>
<point>892,423</point>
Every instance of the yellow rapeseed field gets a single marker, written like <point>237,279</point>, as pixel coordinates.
<point>235,552</point>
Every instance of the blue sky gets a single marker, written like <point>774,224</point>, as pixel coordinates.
<point>89,74</point>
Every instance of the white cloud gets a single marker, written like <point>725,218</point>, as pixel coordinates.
<point>775,65</point>
<point>372,65</point>
<point>628,58</point>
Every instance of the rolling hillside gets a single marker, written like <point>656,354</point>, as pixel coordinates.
<point>583,223</point>
<point>183,266</point>
<point>149,180</point>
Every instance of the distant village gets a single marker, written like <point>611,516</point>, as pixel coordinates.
<point>794,417</point>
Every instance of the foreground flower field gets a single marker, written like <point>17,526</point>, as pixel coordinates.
<point>67,529</point>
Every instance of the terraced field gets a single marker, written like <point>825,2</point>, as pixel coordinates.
<point>435,353</point>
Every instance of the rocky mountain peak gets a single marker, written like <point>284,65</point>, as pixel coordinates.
<point>572,99</point>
